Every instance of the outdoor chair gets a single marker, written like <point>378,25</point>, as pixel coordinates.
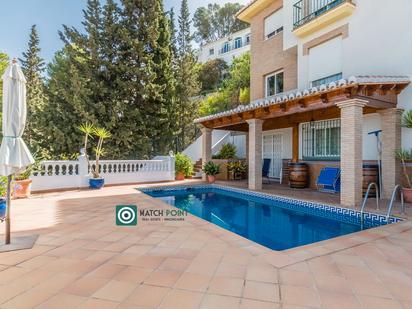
<point>265,170</point>
<point>329,180</point>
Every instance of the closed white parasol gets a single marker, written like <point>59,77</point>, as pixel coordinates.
<point>14,154</point>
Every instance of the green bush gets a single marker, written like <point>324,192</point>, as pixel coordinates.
<point>228,151</point>
<point>183,164</point>
<point>211,169</point>
<point>244,96</point>
<point>214,103</point>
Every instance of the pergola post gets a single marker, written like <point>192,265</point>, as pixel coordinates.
<point>351,151</point>
<point>206,148</point>
<point>255,154</point>
<point>295,143</point>
<point>391,141</point>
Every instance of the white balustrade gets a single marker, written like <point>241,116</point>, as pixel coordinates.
<point>75,174</point>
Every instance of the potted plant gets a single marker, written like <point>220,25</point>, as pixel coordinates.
<point>22,183</point>
<point>406,155</point>
<point>183,166</point>
<point>89,130</point>
<point>403,156</point>
<point>3,192</point>
<point>96,181</point>
<point>237,168</point>
<point>211,169</point>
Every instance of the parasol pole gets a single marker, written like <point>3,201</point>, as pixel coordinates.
<point>8,206</point>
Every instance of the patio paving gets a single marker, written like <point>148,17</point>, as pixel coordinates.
<point>83,260</point>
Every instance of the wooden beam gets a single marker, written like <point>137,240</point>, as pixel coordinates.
<point>295,143</point>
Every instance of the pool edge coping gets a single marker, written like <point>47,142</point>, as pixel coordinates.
<point>280,259</point>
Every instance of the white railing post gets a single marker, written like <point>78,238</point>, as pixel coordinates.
<point>83,171</point>
<point>171,167</point>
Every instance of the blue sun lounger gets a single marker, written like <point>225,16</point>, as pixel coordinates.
<point>265,169</point>
<point>329,180</point>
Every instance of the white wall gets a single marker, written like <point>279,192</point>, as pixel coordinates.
<point>379,43</point>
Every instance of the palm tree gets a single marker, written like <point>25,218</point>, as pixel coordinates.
<point>102,134</point>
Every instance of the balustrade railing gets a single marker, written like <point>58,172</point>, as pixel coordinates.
<point>306,10</point>
<point>75,174</point>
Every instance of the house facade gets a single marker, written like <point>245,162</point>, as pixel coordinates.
<point>325,74</point>
<point>227,48</point>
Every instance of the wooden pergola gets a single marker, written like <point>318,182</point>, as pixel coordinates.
<point>370,94</point>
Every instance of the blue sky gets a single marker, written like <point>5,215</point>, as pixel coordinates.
<point>17,16</point>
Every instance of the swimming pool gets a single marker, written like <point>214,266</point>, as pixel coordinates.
<point>275,222</point>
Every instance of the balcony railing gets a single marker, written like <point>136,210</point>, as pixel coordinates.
<point>306,10</point>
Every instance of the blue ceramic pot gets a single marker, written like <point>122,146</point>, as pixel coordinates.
<point>2,208</point>
<point>96,183</point>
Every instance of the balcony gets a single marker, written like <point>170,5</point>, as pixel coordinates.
<point>311,15</point>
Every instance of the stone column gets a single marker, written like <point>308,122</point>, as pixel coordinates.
<point>391,141</point>
<point>351,152</point>
<point>255,154</point>
<point>247,146</point>
<point>206,147</point>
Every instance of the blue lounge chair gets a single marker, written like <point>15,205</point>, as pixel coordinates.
<point>265,169</point>
<point>329,180</point>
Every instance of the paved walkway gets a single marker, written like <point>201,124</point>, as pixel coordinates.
<point>83,260</point>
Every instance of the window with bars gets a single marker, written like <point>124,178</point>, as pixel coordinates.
<point>321,140</point>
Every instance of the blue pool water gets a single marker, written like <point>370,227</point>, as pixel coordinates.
<point>276,223</point>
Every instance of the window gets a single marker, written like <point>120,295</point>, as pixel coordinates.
<point>321,140</point>
<point>274,24</point>
<point>225,48</point>
<point>247,39</point>
<point>211,51</point>
<point>238,43</point>
<point>274,84</point>
<point>326,80</point>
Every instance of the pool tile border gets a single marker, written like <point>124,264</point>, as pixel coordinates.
<point>324,210</point>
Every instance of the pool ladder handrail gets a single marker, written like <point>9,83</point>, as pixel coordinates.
<point>397,187</point>
<point>367,195</point>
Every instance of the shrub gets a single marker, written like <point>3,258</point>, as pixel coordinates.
<point>402,154</point>
<point>211,169</point>
<point>3,186</point>
<point>244,95</point>
<point>214,103</point>
<point>183,164</point>
<point>228,151</point>
<point>237,167</point>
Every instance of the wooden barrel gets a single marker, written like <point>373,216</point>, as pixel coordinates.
<point>298,175</point>
<point>370,174</point>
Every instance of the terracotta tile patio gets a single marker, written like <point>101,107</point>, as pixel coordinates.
<point>83,260</point>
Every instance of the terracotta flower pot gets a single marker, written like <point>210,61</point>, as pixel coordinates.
<point>211,178</point>
<point>22,188</point>
<point>407,195</point>
<point>180,176</point>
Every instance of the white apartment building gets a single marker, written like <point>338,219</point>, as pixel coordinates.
<point>226,48</point>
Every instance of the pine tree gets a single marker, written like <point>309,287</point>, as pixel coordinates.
<point>164,121</point>
<point>140,22</point>
<point>33,67</point>
<point>67,91</point>
<point>187,81</point>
